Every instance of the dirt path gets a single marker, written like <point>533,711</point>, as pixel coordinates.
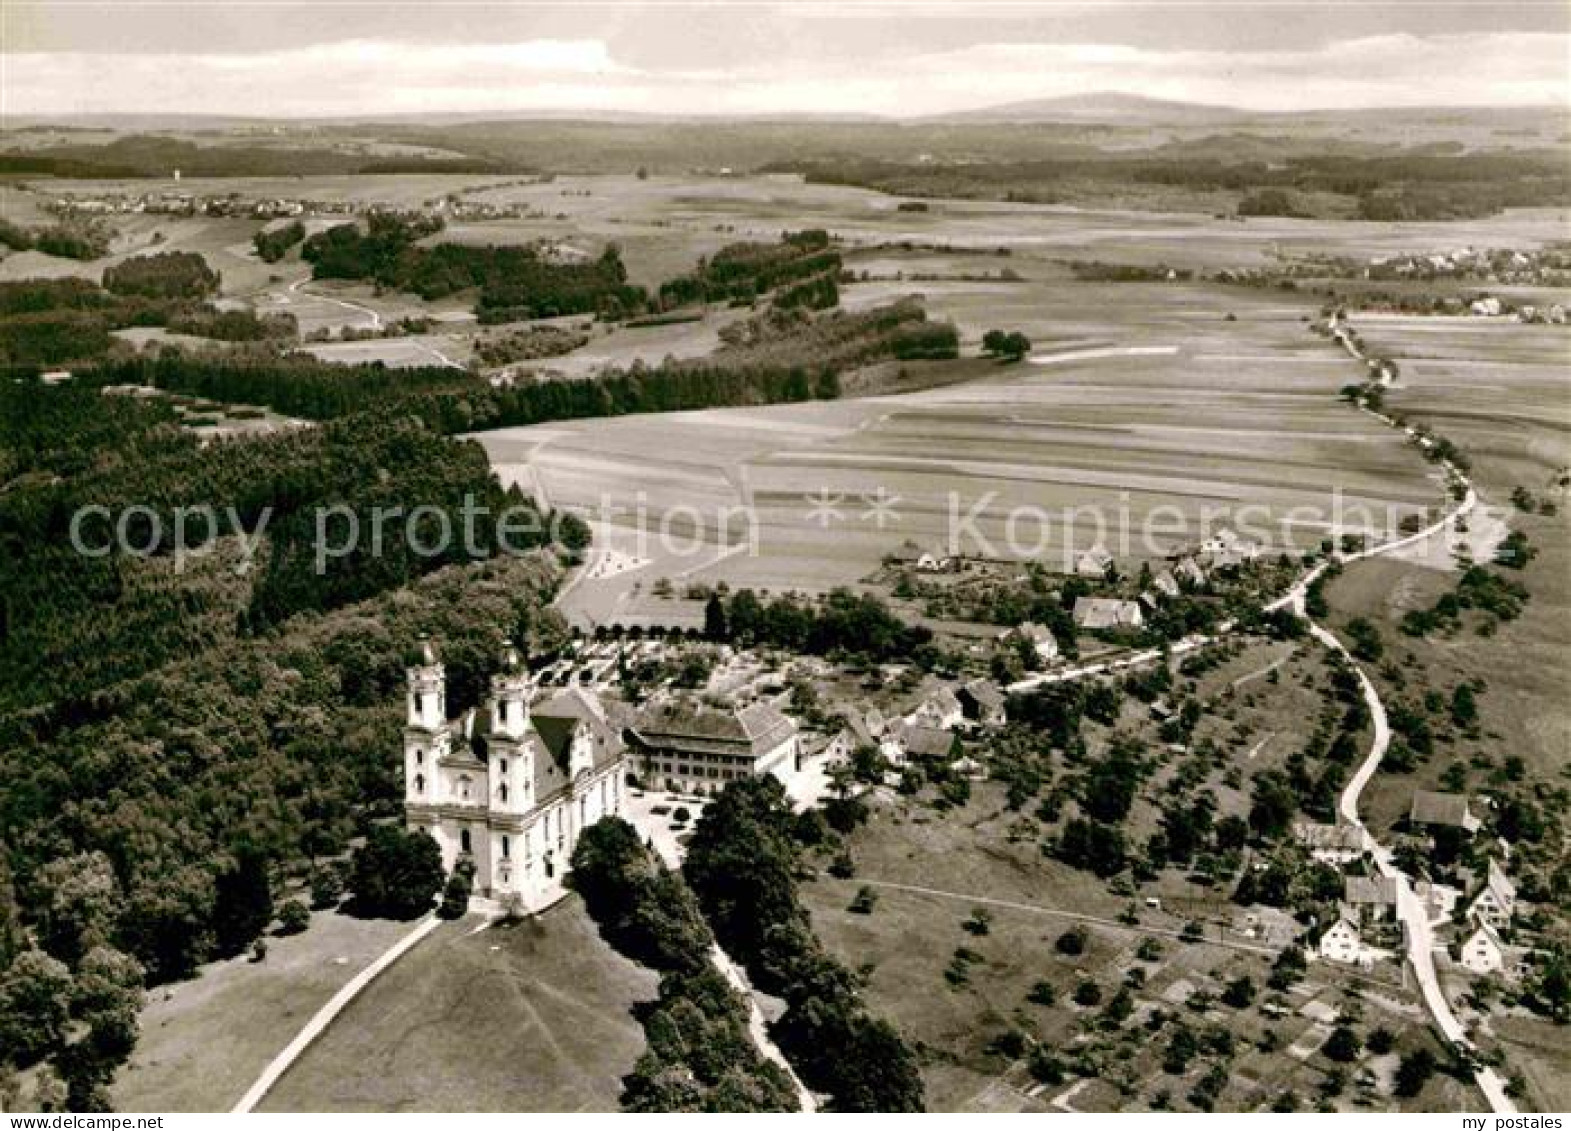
<point>325,1016</point>
<point>1410,910</point>
<point>757,1026</point>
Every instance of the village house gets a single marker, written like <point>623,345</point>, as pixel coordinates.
<point>863,728</point>
<point>1102,613</point>
<point>1495,902</point>
<point>689,745</point>
<point>834,747</point>
<point>1166,584</point>
<point>983,702</point>
<point>1341,943</point>
<point>1482,952</point>
<point>1370,898</point>
<point>1447,810</point>
<point>512,785</point>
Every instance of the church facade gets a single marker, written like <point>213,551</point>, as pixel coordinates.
<point>510,785</point>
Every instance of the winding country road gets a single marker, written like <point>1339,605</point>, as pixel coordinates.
<point>1417,930</point>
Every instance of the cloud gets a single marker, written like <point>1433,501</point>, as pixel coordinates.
<point>370,77</point>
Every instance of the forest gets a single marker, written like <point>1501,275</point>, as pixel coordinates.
<point>1437,182</point>
<point>775,358</point>
<point>182,736</point>
<point>741,272</point>
<point>58,643</point>
<point>70,321</point>
<point>514,282</point>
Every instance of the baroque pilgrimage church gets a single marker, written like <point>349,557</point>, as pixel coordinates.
<point>510,785</point>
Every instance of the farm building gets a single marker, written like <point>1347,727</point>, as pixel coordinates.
<point>983,702</point>
<point>1226,548</point>
<point>929,560</point>
<point>1370,898</point>
<point>903,743</point>
<point>692,745</point>
<point>1096,613</point>
<point>1448,810</point>
<point>1330,844</point>
<point>939,708</point>
<point>1094,562</point>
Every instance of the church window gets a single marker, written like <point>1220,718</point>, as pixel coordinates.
<point>463,841</point>
<point>503,791</point>
<point>419,756</point>
<point>419,783</point>
<point>502,765</point>
<point>463,787</point>
<point>507,847</point>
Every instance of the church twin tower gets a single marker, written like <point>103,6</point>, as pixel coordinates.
<point>511,785</point>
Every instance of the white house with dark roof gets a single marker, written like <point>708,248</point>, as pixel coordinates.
<point>511,785</point>
<point>1483,952</point>
<point>691,745</point>
<point>1341,943</point>
<point>929,560</point>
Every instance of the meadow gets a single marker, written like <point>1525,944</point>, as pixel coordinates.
<point>194,1056</point>
<point>538,1013</point>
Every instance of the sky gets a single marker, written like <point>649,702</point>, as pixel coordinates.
<point>274,58</point>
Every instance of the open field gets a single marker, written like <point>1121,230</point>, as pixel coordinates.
<point>1498,389</point>
<point>534,1016</point>
<point>204,1042</point>
<point>1148,405</point>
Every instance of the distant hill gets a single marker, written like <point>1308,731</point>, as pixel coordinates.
<point>1107,106</point>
